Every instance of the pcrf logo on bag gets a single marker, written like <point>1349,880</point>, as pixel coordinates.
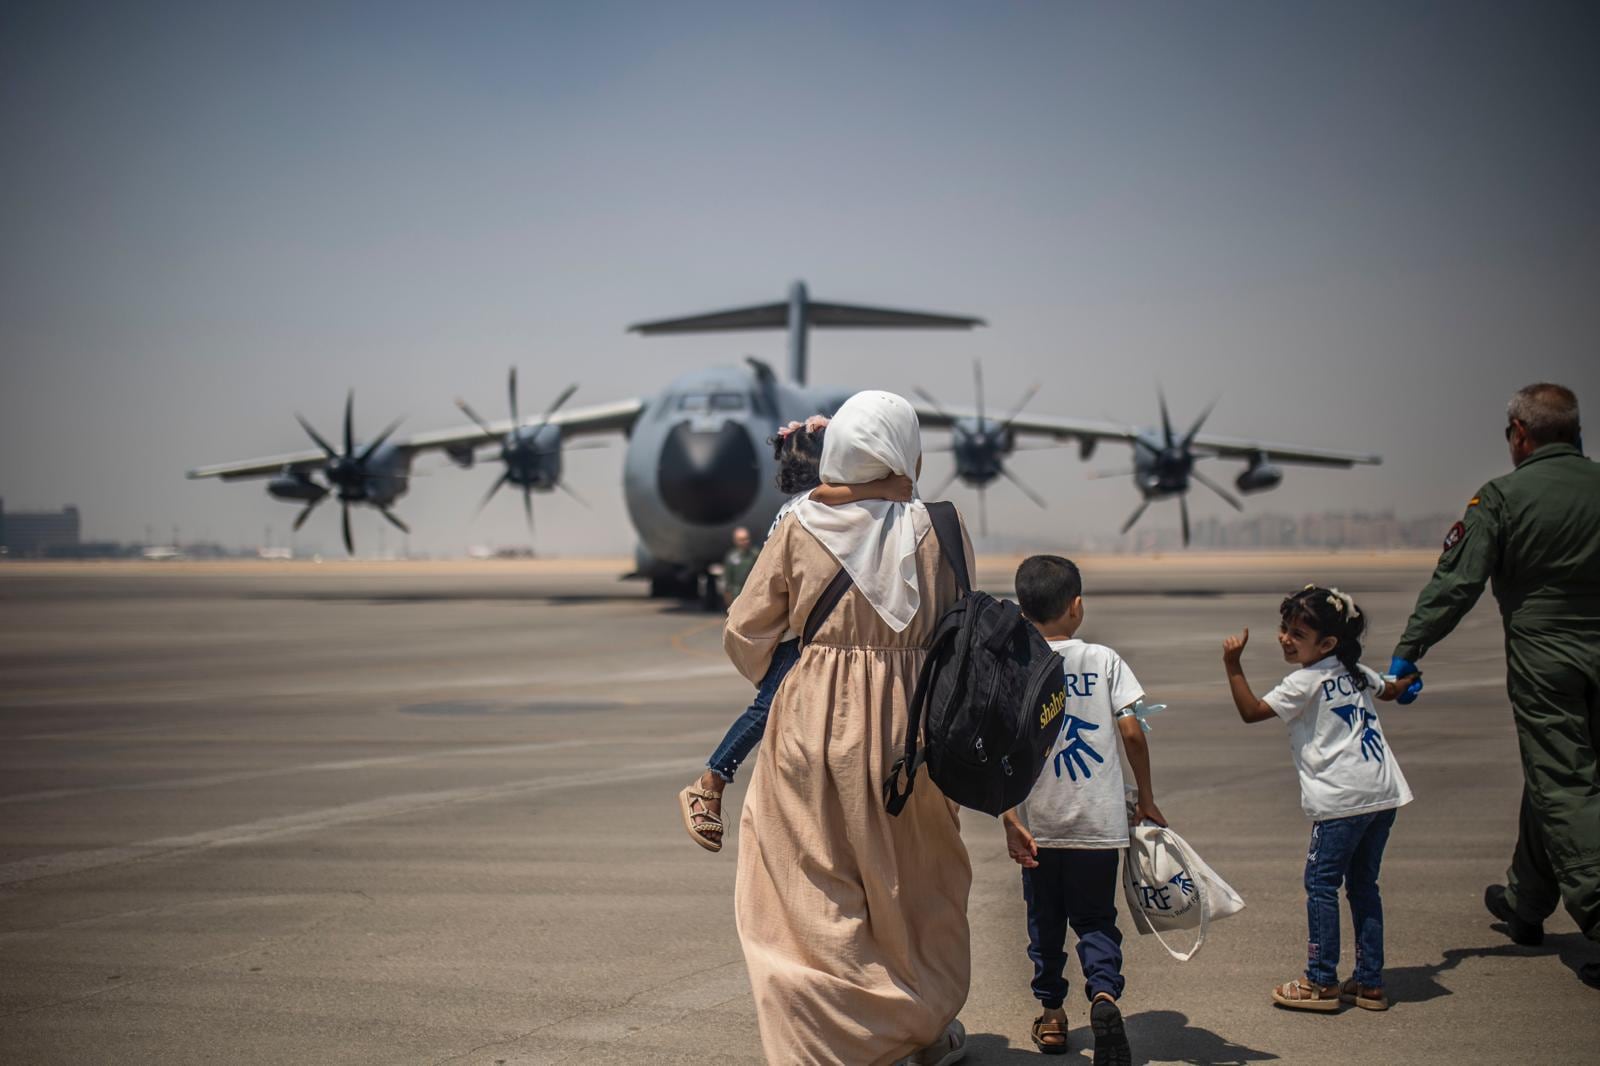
<point>1172,897</point>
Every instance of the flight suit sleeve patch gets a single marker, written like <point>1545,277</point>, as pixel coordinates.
<point>1473,502</point>
<point>1454,537</point>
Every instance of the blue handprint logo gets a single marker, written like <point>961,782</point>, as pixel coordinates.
<point>1371,739</point>
<point>1077,746</point>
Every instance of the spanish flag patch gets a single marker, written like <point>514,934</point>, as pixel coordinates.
<point>1473,502</point>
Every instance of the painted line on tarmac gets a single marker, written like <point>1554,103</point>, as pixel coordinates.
<point>535,684</point>
<point>208,780</point>
<point>32,869</point>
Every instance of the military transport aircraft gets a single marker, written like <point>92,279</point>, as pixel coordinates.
<point>696,465</point>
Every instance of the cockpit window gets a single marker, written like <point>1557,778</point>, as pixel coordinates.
<point>694,402</point>
<point>727,401</point>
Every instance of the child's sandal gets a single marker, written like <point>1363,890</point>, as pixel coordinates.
<point>1362,996</point>
<point>1301,994</point>
<point>701,823</point>
<point>1050,1037</point>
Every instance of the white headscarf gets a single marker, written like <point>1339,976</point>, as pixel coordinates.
<point>874,434</point>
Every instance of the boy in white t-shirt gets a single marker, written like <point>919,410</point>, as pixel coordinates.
<point>1068,833</point>
<point>1350,785</point>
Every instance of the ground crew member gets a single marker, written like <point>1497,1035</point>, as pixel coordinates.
<point>737,564</point>
<point>1535,533</point>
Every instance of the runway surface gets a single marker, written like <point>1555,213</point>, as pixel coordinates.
<point>425,813</point>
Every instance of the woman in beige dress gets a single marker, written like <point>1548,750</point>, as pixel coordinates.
<point>853,922</point>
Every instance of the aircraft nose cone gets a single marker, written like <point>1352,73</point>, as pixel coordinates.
<point>708,477</point>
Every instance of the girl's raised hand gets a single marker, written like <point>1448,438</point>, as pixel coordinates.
<point>1233,647</point>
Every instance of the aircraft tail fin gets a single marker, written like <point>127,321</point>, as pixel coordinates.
<point>799,315</point>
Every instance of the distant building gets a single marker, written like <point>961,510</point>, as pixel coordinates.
<point>39,533</point>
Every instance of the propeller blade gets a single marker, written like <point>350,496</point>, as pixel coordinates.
<point>945,487</point>
<point>1026,491</point>
<point>349,544</point>
<point>983,510</point>
<point>581,446</point>
<point>977,384</point>
<point>349,422</point>
<point>324,445</point>
<point>476,420</point>
<point>1183,510</point>
<point>1218,489</point>
<point>566,394</point>
<point>501,480</point>
<point>570,491</point>
<point>511,389</point>
<point>371,449</point>
<point>1137,514</point>
<point>394,520</point>
<point>1017,410</point>
<point>527,508</point>
<point>1194,430</point>
<point>305,513</point>
<point>1166,419</point>
<point>928,399</point>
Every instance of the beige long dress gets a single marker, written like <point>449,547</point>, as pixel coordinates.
<point>854,923</point>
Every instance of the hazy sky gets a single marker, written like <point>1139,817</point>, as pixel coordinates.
<point>1361,225</point>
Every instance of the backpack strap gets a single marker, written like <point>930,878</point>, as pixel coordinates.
<point>947,527</point>
<point>894,798</point>
<point>825,604</point>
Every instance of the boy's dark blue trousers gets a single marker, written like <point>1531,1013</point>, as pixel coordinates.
<point>1074,887</point>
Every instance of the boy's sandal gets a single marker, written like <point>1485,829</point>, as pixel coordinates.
<point>1301,994</point>
<point>698,819</point>
<point>1362,996</point>
<point>1050,1037</point>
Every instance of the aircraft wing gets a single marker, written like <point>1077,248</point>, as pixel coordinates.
<point>615,417</point>
<point>1088,433</point>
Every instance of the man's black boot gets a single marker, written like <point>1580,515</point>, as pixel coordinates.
<point>1524,932</point>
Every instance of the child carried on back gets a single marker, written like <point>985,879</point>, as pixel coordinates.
<point>797,448</point>
<point>1067,834</point>
<point>1350,785</point>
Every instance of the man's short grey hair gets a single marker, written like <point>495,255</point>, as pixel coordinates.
<point>1549,413</point>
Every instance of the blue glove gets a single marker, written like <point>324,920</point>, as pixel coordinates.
<point>1399,668</point>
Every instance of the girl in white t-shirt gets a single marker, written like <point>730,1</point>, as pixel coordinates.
<point>1350,785</point>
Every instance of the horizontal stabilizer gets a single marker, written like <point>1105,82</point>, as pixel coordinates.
<point>818,316</point>
<point>823,315</point>
<point>766,316</point>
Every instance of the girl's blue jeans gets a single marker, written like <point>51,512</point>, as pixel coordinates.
<point>746,731</point>
<point>1347,850</point>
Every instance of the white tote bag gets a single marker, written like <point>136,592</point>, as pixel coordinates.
<point>1168,887</point>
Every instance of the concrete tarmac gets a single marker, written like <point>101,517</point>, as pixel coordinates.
<point>425,813</point>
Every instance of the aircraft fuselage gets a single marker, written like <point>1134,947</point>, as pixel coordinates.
<point>698,464</point>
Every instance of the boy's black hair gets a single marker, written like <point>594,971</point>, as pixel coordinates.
<point>1325,614</point>
<point>1046,586</point>
<point>799,456</point>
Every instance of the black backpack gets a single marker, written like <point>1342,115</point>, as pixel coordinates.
<point>988,701</point>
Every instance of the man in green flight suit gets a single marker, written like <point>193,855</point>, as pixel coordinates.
<point>737,564</point>
<point>1535,534</point>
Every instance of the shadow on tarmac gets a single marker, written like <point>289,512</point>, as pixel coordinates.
<point>1155,1035</point>
<point>1418,984</point>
